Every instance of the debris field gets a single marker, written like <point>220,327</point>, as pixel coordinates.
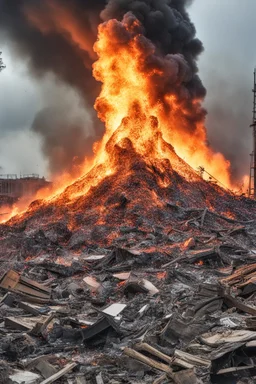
<point>176,307</point>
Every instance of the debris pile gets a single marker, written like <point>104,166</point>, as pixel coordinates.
<point>170,308</point>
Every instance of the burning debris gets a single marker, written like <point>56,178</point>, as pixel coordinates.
<point>140,271</point>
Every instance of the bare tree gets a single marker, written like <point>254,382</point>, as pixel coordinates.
<point>2,66</point>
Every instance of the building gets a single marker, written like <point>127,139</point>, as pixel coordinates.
<point>27,185</point>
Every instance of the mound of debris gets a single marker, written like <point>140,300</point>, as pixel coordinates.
<point>139,272</point>
<point>142,196</point>
<point>160,304</point>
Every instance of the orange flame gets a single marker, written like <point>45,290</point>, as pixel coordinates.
<point>137,110</point>
<point>130,89</point>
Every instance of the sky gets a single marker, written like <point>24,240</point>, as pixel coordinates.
<point>226,28</point>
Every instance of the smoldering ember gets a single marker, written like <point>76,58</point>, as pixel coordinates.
<point>140,270</point>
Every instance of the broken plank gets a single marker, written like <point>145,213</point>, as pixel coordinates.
<point>181,363</point>
<point>232,337</point>
<point>204,254</point>
<point>19,287</point>
<point>34,284</point>
<point>9,280</point>
<point>239,275</point>
<point>232,302</point>
<point>147,348</point>
<point>24,323</point>
<point>59,374</point>
<point>150,362</point>
<point>33,309</point>
<point>196,361</point>
<point>234,369</point>
<point>14,282</point>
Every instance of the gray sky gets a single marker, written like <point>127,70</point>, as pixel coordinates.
<point>227,30</point>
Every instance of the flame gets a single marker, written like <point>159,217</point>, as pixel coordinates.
<point>133,88</point>
<point>199,263</point>
<point>144,103</point>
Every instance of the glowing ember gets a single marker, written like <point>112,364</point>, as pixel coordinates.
<point>62,261</point>
<point>161,275</point>
<point>121,284</point>
<point>199,263</point>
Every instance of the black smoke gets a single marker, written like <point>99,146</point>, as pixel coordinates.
<point>166,23</point>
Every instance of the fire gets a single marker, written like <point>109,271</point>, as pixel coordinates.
<point>144,102</point>
<point>199,263</point>
<point>135,78</point>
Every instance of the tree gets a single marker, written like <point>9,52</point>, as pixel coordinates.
<point>2,66</point>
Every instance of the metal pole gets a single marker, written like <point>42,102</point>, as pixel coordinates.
<point>254,133</point>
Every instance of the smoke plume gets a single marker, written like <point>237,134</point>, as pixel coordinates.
<point>50,47</point>
<point>57,36</point>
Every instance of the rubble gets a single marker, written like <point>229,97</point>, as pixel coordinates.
<point>187,316</point>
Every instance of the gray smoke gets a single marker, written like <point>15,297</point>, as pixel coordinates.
<point>51,48</point>
<point>56,53</point>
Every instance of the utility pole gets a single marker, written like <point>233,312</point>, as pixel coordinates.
<point>252,182</point>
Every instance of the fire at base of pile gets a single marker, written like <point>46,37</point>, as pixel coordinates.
<point>140,185</point>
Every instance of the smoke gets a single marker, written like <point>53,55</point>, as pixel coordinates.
<point>57,36</point>
<point>167,25</point>
<point>48,40</point>
<point>65,128</point>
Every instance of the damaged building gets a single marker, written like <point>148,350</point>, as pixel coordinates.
<point>16,187</point>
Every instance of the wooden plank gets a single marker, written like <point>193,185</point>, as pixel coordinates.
<point>23,323</point>
<point>239,275</point>
<point>34,299</point>
<point>235,369</point>
<point>30,291</point>
<point>33,309</point>
<point>9,280</point>
<point>59,374</point>
<point>181,363</point>
<point>150,362</point>
<point>35,284</point>
<point>147,348</point>
<point>232,302</point>
<point>191,359</point>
